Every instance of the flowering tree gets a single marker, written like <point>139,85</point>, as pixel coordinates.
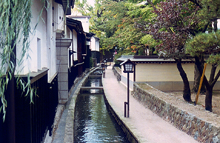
<point>172,28</point>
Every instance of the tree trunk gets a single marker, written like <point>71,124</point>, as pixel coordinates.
<point>208,99</point>
<point>196,83</point>
<point>215,25</point>
<point>186,87</point>
<point>209,88</point>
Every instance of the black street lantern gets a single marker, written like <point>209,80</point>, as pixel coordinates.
<point>128,68</point>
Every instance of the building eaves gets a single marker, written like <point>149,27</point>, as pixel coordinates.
<point>74,24</point>
<point>90,34</point>
<point>97,38</point>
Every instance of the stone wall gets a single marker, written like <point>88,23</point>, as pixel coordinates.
<point>202,125</point>
<point>116,73</point>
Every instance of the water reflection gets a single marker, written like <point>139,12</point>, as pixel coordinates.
<point>92,120</point>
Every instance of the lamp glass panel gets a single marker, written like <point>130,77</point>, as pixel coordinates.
<point>128,67</point>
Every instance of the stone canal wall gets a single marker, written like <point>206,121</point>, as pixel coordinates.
<point>63,122</point>
<point>69,127</point>
<point>202,125</point>
<point>116,73</point>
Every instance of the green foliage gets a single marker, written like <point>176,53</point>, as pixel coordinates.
<point>118,24</point>
<point>83,7</point>
<point>214,59</point>
<point>205,43</point>
<point>148,40</point>
<point>202,43</point>
<point>209,9</point>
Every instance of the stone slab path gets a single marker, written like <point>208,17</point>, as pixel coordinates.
<point>143,123</point>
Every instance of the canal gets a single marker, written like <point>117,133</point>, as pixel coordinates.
<point>93,123</point>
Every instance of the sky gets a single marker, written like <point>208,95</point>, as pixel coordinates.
<point>91,2</point>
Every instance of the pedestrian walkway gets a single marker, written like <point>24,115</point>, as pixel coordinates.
<point>142,122</point>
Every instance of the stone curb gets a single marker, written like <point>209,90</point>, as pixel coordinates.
<point>131,137</point>
<point>129,130</point>
<point>59,110</point>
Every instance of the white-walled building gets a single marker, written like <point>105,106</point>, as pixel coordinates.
<point>84,20</point>
<point>51,42</point>
<point>95,44</point>
<point>94,41</point>
<point>160,73</point>
<point>43,39</point>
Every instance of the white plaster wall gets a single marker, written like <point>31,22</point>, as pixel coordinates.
<point>67,32</point>
<point>59,19</point>
<point>85,23</point>
<point>71,47</point>
<point>50,38</point>
<point>75,44</point>
<point>93,47</point>
<point>162,72</point>
<point>131,75</point>
<point>69,35</point>
<point>155,72</point>
<point>51,43</point>
<point>30,65</point>
<point>20,64</point>
<point>46,33</point>
<point>96,44</point>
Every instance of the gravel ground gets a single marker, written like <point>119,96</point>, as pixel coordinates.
<point>201,101</point>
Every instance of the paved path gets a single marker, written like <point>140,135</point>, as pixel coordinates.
<point>144,124</point>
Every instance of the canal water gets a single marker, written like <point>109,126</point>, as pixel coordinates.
<point>93,123</point>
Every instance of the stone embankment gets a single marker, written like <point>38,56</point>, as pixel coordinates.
<point>202,125</point>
